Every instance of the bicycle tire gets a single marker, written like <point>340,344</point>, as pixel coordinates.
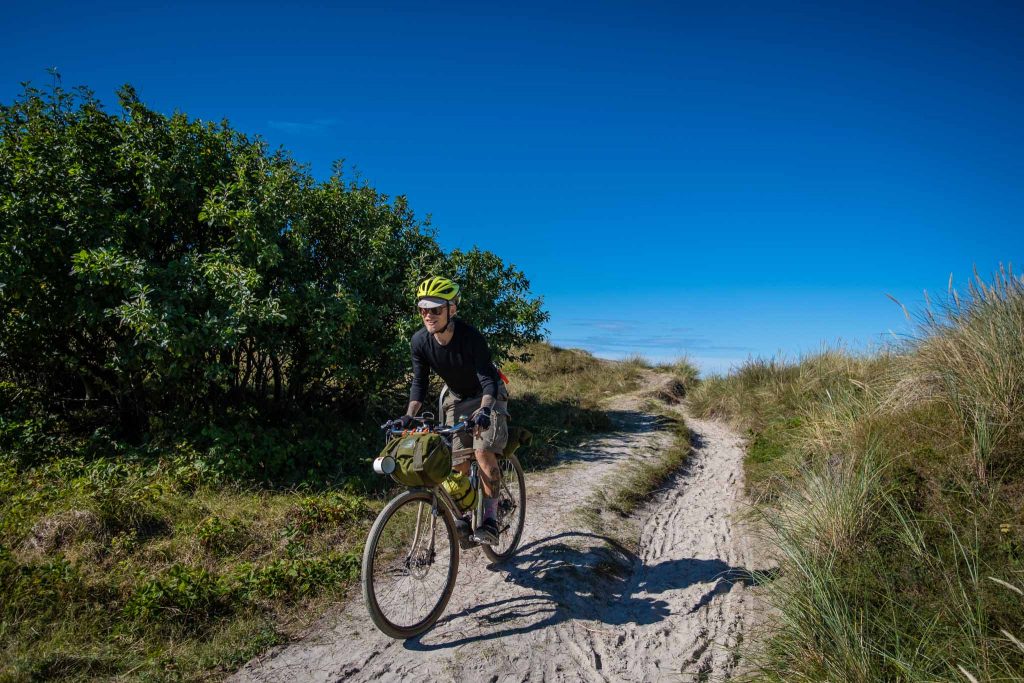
<point>408,589</point>
<point>511,510</point>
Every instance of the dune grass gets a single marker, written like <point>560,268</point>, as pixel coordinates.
<point>635,482</point>
<point>683,370</point>
<point>559,395</point>
<point>891,485</point>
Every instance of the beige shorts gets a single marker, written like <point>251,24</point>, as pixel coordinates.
<point>492,439</point>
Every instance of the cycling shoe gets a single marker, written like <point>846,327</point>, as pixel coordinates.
<point>487,533</point>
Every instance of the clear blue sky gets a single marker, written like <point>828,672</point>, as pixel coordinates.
<point>715,179</point>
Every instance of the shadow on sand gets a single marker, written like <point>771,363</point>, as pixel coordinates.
<point>580,575</point>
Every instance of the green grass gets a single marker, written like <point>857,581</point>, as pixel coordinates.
<point>634,484</point>
<point>112,569</point>
<point>683,370</point>
<point>891,488</point>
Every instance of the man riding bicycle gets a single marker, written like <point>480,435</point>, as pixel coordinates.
<point>458,353</point>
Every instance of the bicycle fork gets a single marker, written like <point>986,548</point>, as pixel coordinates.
<point>431,516</point>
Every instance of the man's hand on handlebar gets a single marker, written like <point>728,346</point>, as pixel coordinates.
<point>481,420</point>
<point>399,423</point>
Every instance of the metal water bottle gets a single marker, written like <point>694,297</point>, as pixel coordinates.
<point>384,464</point>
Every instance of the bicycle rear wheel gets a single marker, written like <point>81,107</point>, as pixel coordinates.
<point>511,509</point>
<point>410,563</point>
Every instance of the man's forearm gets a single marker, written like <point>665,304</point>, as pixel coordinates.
<point>414,408</point>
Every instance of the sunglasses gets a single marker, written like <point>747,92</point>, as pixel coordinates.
<point>431,311</point>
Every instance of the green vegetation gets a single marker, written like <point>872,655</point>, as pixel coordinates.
<point>159,565</point>
<point>684,371</point>
<point>892,488</point>
<point>165,279</point>
<point>109,567</point>
<point>559,395</point>
<point>636,482</point>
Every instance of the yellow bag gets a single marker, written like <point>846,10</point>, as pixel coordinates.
<point>458,487</point>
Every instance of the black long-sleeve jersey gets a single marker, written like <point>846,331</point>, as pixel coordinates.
<point>464,364</point>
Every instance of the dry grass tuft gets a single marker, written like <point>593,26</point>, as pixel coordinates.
<point>62,529</point>
<point>671,391</point>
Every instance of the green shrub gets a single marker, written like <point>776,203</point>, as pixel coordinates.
<point>323,511</point>
<point>197,341</point>
<point>293,577</point>
<point>164,276</point>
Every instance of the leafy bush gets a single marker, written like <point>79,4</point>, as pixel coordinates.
<point>169,276</point>
<point>181,308</point>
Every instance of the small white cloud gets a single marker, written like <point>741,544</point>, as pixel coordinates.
<point>304,127</point>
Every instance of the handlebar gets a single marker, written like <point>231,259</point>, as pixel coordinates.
<point>444,430</point>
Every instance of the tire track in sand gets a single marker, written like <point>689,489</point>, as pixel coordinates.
<point>571,606</point>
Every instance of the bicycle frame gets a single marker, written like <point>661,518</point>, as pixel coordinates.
<point>474,476</point>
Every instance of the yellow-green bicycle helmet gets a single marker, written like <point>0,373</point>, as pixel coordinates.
<point>438,288</point>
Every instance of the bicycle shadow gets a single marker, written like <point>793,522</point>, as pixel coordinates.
<point>602,581</point>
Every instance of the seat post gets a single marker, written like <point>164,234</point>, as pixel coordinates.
<point>440,403</point>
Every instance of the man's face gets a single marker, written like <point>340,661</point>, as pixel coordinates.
<point>436,318</point>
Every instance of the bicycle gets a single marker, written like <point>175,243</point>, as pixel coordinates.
<point>411,556</point>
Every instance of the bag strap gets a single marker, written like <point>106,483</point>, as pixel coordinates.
<point>417,456</point>
<point>464,496</point>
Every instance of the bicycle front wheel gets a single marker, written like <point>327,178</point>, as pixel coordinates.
<point>511,509</point>
<point>409,564</point>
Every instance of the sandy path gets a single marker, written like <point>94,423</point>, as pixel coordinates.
<point>572,606</point>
